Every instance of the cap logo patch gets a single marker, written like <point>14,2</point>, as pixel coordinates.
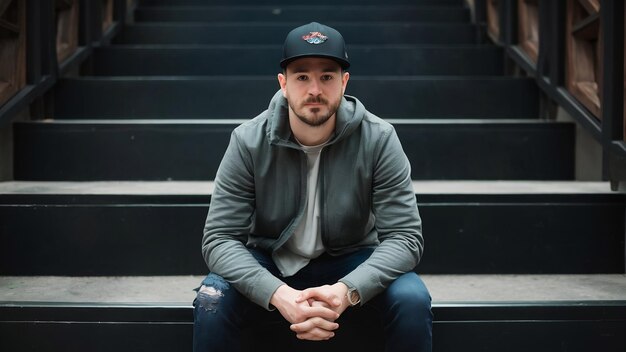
<point>315,38</point>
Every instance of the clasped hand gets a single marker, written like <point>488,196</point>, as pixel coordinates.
<point>312,312</point>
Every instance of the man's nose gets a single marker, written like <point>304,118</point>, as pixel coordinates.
<point>315,88</point>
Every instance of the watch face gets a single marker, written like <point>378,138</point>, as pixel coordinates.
<point>354,298</point>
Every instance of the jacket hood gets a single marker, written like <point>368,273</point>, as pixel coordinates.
<point>349,116</point>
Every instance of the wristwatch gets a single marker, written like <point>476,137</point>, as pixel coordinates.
<point>353,297</point>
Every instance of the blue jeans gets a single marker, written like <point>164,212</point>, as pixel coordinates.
<point>222,313</point>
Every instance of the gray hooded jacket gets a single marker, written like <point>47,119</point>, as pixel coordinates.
<point>366,197</point>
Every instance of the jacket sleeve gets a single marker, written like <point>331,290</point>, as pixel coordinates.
<point>397,222</point>
<point>228,225</point>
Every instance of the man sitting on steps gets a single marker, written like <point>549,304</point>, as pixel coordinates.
<point>313,213</point>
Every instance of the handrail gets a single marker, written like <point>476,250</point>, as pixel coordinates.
<point>550,68</point>
<point>58,43</point>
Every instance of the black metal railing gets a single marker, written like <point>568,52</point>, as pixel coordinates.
<point>60,36</point>
<point>579,63</point>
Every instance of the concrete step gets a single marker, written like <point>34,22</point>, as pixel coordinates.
<point>92,150</point>
<point>155,228</point>
<point>274,33</point>
<point>303,14</point>
<point>473,313</point>
<point>169,60</point>
<point>390,97</point>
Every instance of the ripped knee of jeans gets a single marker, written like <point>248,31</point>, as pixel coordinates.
<point>208,298</point>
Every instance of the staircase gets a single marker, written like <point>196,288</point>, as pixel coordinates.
<point>101,228</point>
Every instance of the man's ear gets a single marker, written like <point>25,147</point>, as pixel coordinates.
<point>282,80</point>
<point>345,77</point>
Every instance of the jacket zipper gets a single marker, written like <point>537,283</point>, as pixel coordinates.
<point>322,183</point>
<point>303,188</point>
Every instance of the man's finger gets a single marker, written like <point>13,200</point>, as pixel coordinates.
<point>316,336</point>
<point>314,303</point>
<point>322,312</point>
<point>314,323</point>
<point>307,294</point>
<point>319,293</point>
<point>315,329</point>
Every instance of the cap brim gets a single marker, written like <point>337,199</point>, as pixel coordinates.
<point>343,63</point>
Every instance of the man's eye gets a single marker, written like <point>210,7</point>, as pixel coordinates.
<point>327,77</point>
<point>302,78</point>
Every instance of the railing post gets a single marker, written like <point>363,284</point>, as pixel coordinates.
<point>556,44</point>
<point>480,11</point>
<point>612,90</point>
<point>119,11</point>
<point>33,41</point>
<point>612,95</point>
<point>508,22</point>
<point>543,64</point>
<point>50,65</point>
<point>480,20</point>
<point>508,30</point>
<point>84,31</point>
<point>41,52</point>
<point>95,21</point>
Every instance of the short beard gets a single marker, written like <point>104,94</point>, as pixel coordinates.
<point>322,119</point>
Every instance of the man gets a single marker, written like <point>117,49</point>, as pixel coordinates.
<point>313,213</point>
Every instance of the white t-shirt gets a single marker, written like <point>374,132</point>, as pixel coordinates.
<point>306,242</point>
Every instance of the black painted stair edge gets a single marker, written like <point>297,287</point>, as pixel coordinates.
<point>488,327</point>
<point>593,310</point>
<point>152,150</point>
<point>163,60</point>
<point>202,194</point>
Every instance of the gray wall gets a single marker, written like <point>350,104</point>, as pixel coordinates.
<point>588,152</point>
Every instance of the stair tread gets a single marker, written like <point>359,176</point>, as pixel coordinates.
<point>206,187</point>
<point>178,290</point>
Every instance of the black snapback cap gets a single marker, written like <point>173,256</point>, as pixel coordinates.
<point>315,39</point>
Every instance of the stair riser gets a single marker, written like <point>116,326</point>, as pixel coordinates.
<point>523,238</point>
<point>302,14</point>
<point>548,334</point>
<point>95,336</point>
<point>254,60</point>
<point>85,151</point>
<point>240,97</point>
<point>275,33</point>
<point>465,238</point>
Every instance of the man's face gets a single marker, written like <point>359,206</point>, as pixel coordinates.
<point>313,88</point>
